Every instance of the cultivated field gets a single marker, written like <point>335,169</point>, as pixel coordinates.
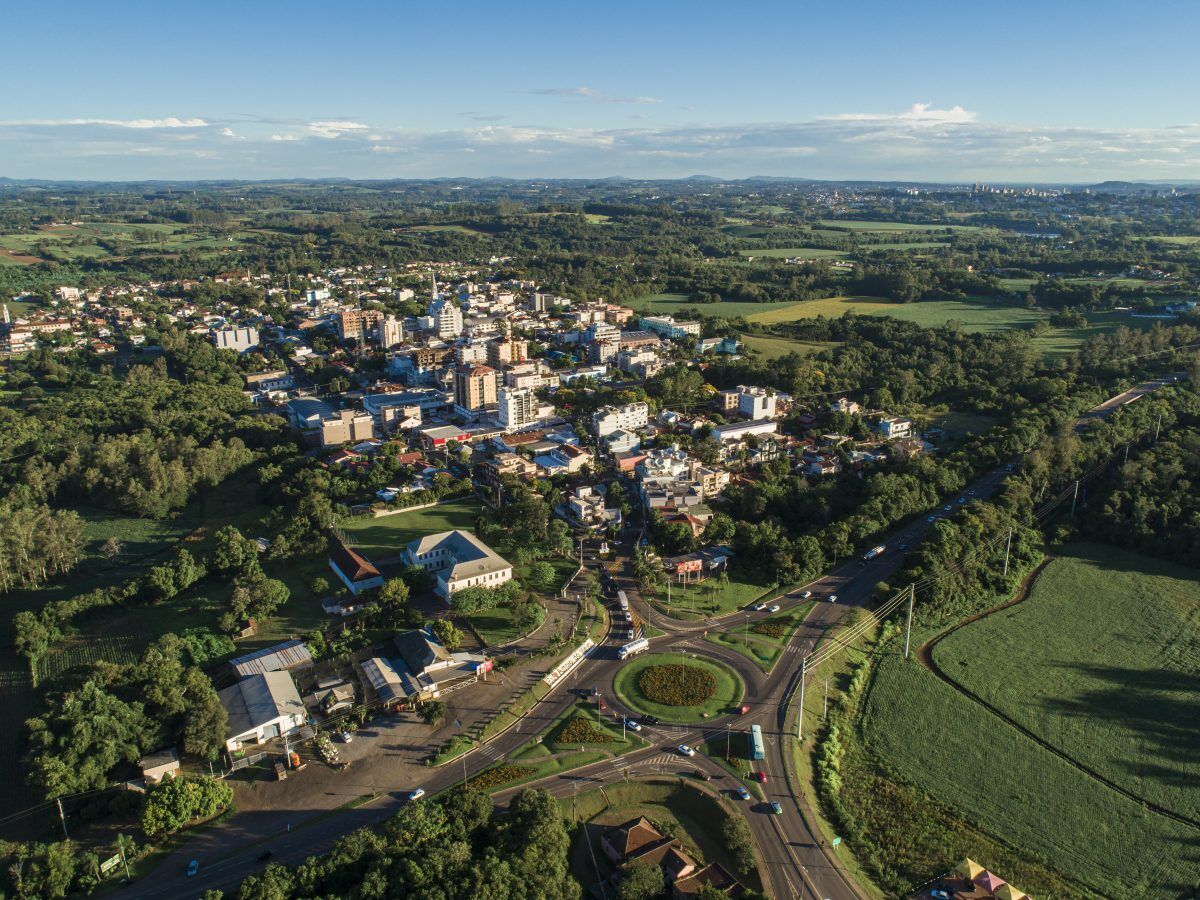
<point>1116,688</point>
<point>802,252</point>
<point>386,536</point>
<point>775,347</point>
<point>96,240</point>
<point>890,227</point>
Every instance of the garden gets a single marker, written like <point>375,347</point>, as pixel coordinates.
<point>677,687</point>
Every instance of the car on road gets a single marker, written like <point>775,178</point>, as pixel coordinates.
<point>743,709</point>
<point>416,795</point>
<point>931,519</point>
<point>703,776</point>
<point>761,777</point>
<point>804,595</point>
<point>939,894</point>
<point>971,492</point>
<point>649,719</point>
<point>600,704</point>
<point>685,750</point>
<point>193,867</point>
<point>742,793</point>
<point>902,547</point>
<point>774,607</point>
<point>346,737</point>
<point>962,501</point>
<point>947,508</point>
<point>776,809</point>
<point>833,598</point>
<point>760,607</point>
<point>631,724</point>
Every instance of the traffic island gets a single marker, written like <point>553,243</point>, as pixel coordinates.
<point>678,688</point>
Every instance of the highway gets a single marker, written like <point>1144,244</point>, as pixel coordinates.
<point>795,863</point>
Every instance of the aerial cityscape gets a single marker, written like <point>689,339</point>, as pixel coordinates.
<point>636,452</point>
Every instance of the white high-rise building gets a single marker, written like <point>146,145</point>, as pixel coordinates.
<point>447,318</point>
<point>518,408</point>
<point>631,417</point>
<point>391,331</point>
<point>756,402</point>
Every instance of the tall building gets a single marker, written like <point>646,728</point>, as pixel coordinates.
<point>507,351</point>
<point>518,408</point>
<point>447,318</point>
<point>391,331</point>
<point>474,387</point>
<point>357,324</point>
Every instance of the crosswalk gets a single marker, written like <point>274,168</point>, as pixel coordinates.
<point>489,752</point>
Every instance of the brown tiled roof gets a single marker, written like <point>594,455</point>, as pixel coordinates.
<point>352,565</point>
<point>714,875</point>
<point>632,835</point>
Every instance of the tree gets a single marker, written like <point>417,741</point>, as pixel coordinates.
<point>642,881</point>
<point>448,633</point>
<point>176,801</point>
<point>394,594</point>
<point>541,576</point>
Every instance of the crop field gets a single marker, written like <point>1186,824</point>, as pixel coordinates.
<point>972,314</point>
<point>1115,690</point>
<point>383,537</point>
<point>727,689</point>
<point>95,240</point>
<point>775,347</point>
<point>928,734</point>
<point>79,655</point>
<point>802,252</point>
<point>889,227</point>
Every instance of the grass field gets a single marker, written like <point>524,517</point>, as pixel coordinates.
<point>888,227</point>
<point>775,347</point>
<point>756,642</point>
<point>728,693</point>
<point>711,598</point>
<point>802,252</point>
<point>96,240</point>
<point>971,314</point>
<point>928,734</point>
<point>383,537</point>
<point>496,627</point>
<point>1116,690</point>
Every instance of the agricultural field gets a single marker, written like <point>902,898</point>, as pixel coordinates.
<point>774,347</point>
<point>972,314</point>
<point>691,675</point>
<point>893,227</point>
<point>1117,689</point>
<point>384,537</point>
<point>802,252</point>
<point>671,304</point>
<point>97,240</point>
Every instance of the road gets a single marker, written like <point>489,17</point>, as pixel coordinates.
<point>795,863</point>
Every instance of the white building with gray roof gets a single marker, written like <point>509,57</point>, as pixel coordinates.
<point>458,559</point>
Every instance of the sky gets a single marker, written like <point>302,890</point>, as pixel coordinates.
<point>973,90</point>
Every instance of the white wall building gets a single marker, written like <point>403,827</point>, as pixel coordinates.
<point>631,417</point>
<point>518,408</point>
<point>262,707</point>
<point>238,339</point>
<point>458,560</point>
<point>756,402</point>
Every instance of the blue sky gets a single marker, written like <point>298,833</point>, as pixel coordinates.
<point>1047,91</point>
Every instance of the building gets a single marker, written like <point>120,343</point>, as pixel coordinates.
<point>391,332</point>
<point>266,382</point>
<point>756,403</point>
<point>282,657</point>
<point>667,327</point>
<point>639,842</point>
<point>507,352</point>
<point>737,432</point>
<point>564,459</point>
<point>358,324</point>
<point>261,708</point>
<point>239,340</point>
<point>346,426</point>
<point>354,570</point>
<point>586,508</point>
<point>160,765</point>
<point>631,417</point>
<point>307,413</point>
<point>474,387</point>
<point>893,428</point>
<point>518,408</point>
<point>843,405</point>
<point>447,318</point>
<point>458,560</point>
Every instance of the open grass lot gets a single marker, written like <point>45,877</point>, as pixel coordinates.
<point>1118,686</point>
<point>888,227</point>
<point>802,252</point>
<point>929,735</point>
<point>712,598</point>
<point>496,627</point>
<point>671,304</point>
<point>384,537</point>
<point>692,814</point>
<point>728,688</point>
<point>95,240</point>
<point>972,314</point>
<point>763,641</point>
<point>775,347</point>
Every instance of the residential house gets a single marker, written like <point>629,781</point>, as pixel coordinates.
<point>354,570</point>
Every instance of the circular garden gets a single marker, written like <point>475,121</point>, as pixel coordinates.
<point>678,688</point>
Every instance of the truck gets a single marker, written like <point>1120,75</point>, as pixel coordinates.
<point>633,648</point>
<point>873,552</point>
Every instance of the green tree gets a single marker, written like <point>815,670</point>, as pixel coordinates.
<point>642,881</point>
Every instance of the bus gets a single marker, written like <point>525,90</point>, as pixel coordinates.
<point>757,750</point>
<point>873,552</point>
<point>633,648</point>
<point>623,602</point>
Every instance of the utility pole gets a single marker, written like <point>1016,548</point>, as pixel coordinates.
<point>1157,426</point>
<point>825,702</point>
<point>1007,550</point>
<point>728,732</point>
<point>800,718</point>
<point>1126,453</point>
<point>1075,496</point>
<point>62,818</point>
<point>912,590</point>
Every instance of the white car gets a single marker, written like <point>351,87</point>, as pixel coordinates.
<point>685,750</point>
<point>806,595</point>
<point>773,608</point>
<point>760,607</point>
<point>632,725</point>
<point>833,598</point>
<point>416,795</point>
<point>346,736</point>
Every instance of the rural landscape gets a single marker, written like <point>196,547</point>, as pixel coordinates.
<point>629,467</point>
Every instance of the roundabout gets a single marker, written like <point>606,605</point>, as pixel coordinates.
<point>678,688</point>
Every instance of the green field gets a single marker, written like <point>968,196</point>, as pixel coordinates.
<point>803,252</point>
<point>385,536</point>
<point>775,347</point>
<point>1117,690</point>
<point>96,240</point>
<point>1100,662</point>
<point>763,641</point>
<point>711,597</point>
<point>889,227</point>
<point>728,693</point>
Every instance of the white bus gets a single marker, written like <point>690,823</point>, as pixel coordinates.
<point>873,552</point>
<point>623,602</point>
<point>633,648</point>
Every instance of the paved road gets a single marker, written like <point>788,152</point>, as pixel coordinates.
<point>795,862</point>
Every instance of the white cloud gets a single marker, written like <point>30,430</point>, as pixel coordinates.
<point>918,113</point>
<point>587,93</point>
<point>285,137</point>
<point>332,130</point>
<point>171,122</point>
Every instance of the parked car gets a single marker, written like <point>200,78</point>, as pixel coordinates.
<point>346,736</point>
<point>600,704</point>
<point>703,776</point>
<point>931,519</point>
<point>416,795</point>
<point>193,867</point>
<point>776,809</point>
<point>902,546</point>
<point>742,793</point>
<point>774,607</point>
<point>685,750</point>
<point>947,508</point>
<point>649,719</point>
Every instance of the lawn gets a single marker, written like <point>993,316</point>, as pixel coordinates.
<point>931,736</point>
<point>384,537</point>
<point>973,314</point>
<point>582,727</point>
<point>1117,688</point>
<point>711,598</point>
<point>671,304</point>
<point>727,695</point>
<point>763,641</point>
<point>496,627</point>
<point>775,347</point>
<point>865,225</point>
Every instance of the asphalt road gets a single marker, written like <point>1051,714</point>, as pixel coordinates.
<point>795,863</point>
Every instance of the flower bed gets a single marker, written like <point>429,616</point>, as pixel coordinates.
<point>493,778</point>
<point>580,730</point>
<point>677,684</point>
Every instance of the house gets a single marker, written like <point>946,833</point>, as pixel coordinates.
<point>565,458</point>
<point>354,570</point>
<point>160,765</point>
<point>260,708</point>
<point>892,428</point>
<point>420,667</point>
<point>458,560</point>
<point>638,841</point>
<point>586,508</point>
<point>282,657</point>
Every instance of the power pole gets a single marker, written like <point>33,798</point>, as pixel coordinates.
<point>1007,550</point>
<point>825,702</point>
<point>1126,453</point>
<point>1157,426</point>
<point>1075,496</point>
<point>800,718</point>
<point>912,590</point>
<point>62,818</point>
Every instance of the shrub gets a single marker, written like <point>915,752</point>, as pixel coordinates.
<point>677,684</point>
<point>581,730</point>
<point>776,628</point>
<point>499,775</point>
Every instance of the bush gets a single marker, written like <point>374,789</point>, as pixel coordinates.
<point>677,684</point>
<point>498,776</point>
<point>581,730</point>
<point>776,628</point>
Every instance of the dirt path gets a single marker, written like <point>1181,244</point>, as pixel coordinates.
<point>925,657</point>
